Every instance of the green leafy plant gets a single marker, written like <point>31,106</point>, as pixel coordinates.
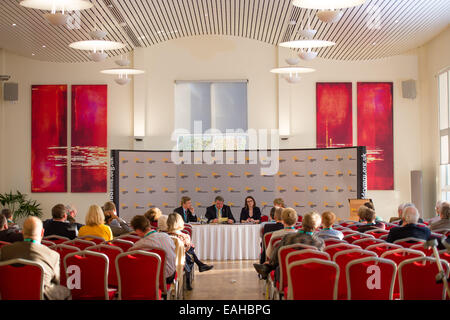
<point>20,206</point>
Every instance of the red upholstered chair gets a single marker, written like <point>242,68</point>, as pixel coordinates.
<point>366,284</point>
<point>187,231</point>
<point>343,258</point>
<point>381,248</point>
<point>129,237</point>
<point>444,255</point>
<point>445,232</point>
<point>377,233</point>
<point>48,243</point>
<point>356,236</point>
<point>56,239</point>
<point>264,218</point>
<point>312,279</point>
<point>111,252</point>
<point>408,242</point>
<point>417,278</point>
<point>95,239</point>
<point>4,243</point>
<point>21,280</point>
<point>331,241</point>
<point>166,289</point>
<point>398,256</point>
<point>300,218</point>
<point>63,251</point>
<point>122,244</point>
<point>139,273</point>
<point>80,243</point>
<point>347,232</point>
<point>421,247</point>
<point>353,227</point>
<point>93,267</point>
<point>282,254</point>
<point>266,241</point>
<point>364,243</point>
<point>334,248</point>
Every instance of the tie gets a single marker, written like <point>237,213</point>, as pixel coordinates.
<point>220,213</point>
<point>184,215</point>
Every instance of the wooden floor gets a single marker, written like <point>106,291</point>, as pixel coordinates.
<point>228,280</point>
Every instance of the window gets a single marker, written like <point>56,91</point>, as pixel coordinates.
<point>206,110</point>
<point>444,128</point>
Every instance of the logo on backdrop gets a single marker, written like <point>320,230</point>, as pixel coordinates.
<point>264,189</point>
<point>167,176</point>
<point>123,160</point>
<point>137,191</point>
<point>298,205</point>
<point>150,161</point>
<point>248,174</point>
<point>167,206</point>
<point>150,190</point>
<point>311,189</point>
<point>199,175</point>
<point>123,176</point>
<point>232,190</point>
<point>248,189</point>
<point>183,190</point>
<point>124,206</point>
<point>281,174</point>
<point>311,204</point>
<point>326,174</point>
<point>232,175</point>
<point>199,190</point>
<point>138,176</point>
<point>166,190</point>
<point>311,174</point>
<point>312,159</point>
<point>325,158</point>
<point>183,176</point>
<point>297,189</point>
<point>215,175</point>
<point>137,160</point>
<point>297,174</point>
<point>150,176</point>
<point>137,206</point>
<point>296,159</point>
<point>216,190</point>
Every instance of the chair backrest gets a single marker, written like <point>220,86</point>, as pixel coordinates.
<point>445,255</point>
<point>162,280</point>
<point>364,243</point>
<point>442,231</point>
<point>384,236</point>
<point>111,252</point>
<point>408,242</point>
<point>380,248</point>
<point>312,279</point>
<point>370,278</point>
<point>4,243</point>
<point>283,252</point>
<point>420,247</point>
<point>266,241</point>
<point>63,250</point>
<point>122,244</point>
<point>264,218</point>
<point>80,243</point>
<point>93,270</point>
<point>300,218</point>
<point>129,237</point>
<point>350,238</point>
<point>21,279</point>
<point>56,239</point>
<point>334,248</point>
<point>138,273</point>
<point>342,258</point>
<point>347,232</point>
<point>48,243</point>
<point>95,239</point>
<point>377,233</point>
<point>417,279</point>
<point>331,241</point>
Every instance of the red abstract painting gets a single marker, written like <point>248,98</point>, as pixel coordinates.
<point>376,132</point>
<point>334,115</point>
<point>89,138</point>
<point>49,138</point>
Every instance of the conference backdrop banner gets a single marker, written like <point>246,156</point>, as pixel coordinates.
<point>307,180</point>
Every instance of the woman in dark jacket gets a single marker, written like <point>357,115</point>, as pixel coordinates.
<point>250,212</point>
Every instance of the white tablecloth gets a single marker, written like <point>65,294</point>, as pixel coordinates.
<point>227,242</point>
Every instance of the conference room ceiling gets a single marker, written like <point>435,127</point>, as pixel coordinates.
<point>379,28</point>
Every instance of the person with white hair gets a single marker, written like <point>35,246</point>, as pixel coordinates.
<point>409,228</point>
<point>444,221</point>
<point>437,209</point>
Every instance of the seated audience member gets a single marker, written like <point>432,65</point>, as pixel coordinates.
<point>444,222</point>
<point>407,205</point>
<point>8,215</point>
<point>162,223</point>
<point>118,226</point>
<point>218,212</point>
<point>6,234</point>
<point>370,205</point>
<point>151,239</point>
<point>278,203</point>
<point>288,219</point>
<point>153,215</point>
<point>369,217</point>
<point>58,225</point>
<point>410,228</point>
<point>175,224</point>
<point>437,210</point>
<point>186,210</point>
<point>311,221</point>
<point>328,219</point>
<point>276,224</point>
<point>95,224</point>
<point>32,249</point>
<point>250,213</point>
<point>71,214</point>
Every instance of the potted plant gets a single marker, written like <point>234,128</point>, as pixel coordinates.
<point>20,206</point>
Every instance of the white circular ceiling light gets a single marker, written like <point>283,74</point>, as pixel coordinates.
<point>307,44</point>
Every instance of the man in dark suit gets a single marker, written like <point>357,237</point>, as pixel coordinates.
<point>7,234</point>
<point>410,228</point>
<point>219,210</point>
<point>186,211</point>
<point>59,225</point>
<point>32,249</point>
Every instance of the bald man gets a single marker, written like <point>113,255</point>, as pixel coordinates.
<point>32,249</point>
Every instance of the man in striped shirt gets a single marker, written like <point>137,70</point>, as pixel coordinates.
<point>151,239</point>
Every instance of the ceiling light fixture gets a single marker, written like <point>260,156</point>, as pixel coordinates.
<point>327,8</point>
<point>307,44</point>
<point>292,70</point>
<point>57,8</point>
<point>123,74</point>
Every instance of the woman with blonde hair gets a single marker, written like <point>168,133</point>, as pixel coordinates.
<point>95,224</point>
<point>175,224</point>
<point>153,215</point>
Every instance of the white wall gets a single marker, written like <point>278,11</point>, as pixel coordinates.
<point>15,157</point>
<point>213,58</point>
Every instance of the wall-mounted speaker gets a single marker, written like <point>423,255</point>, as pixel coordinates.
<point>11,91</point>
<point>409,89</point>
